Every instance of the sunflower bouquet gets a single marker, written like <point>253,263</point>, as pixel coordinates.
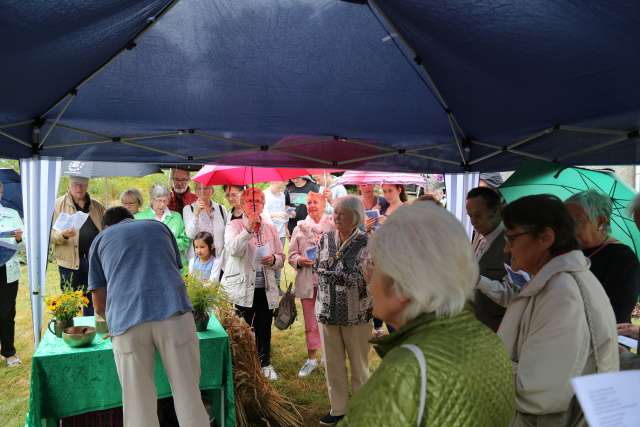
<point>67,305</point>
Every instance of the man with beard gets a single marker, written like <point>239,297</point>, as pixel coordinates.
<point>181,195</point>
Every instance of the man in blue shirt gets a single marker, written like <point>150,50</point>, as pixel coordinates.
<point>134,272</point>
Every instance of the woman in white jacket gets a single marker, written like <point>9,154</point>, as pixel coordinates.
<point>11,227</point>
<point>254,253</point>
<point>559,324</point>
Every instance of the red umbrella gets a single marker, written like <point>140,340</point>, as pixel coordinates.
<point>244,175</point>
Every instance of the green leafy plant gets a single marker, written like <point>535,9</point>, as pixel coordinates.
<point>205,295</point>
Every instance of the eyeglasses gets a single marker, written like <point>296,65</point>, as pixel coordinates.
<point>182,180</point>
<point>510,238</point>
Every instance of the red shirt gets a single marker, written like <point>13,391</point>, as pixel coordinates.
<point>178,201</point>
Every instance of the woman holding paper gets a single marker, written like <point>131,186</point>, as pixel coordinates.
<point>302,254</point>
<point>11,235</point>
<point>560,324</point>
<point>71,245</point>
<point>254,254</point>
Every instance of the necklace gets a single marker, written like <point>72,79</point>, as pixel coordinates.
<point>607,241</point>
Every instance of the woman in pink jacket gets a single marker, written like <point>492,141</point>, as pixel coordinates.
<point>302,253</point>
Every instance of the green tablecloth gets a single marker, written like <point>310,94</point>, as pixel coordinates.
<point>69,381</point>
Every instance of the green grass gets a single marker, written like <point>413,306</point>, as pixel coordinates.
<point>289,352</point>
<point>15,381</point>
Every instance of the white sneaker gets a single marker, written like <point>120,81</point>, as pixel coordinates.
<point>308,367</point>
<point>13,361</point>
<point>270,373</point>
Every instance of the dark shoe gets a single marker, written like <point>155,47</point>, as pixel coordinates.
<point>330,420</point>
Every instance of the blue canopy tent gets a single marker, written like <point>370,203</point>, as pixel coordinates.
<point>443,86</point>
<point>438,86</point>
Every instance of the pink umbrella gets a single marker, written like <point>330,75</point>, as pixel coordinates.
<point>244,175</point>
<point>367,177</point>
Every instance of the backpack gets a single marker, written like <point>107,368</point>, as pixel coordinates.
<point>286,312</point>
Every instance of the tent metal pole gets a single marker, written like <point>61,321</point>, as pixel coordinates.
<point>596,147</point>
<point>485,144</point>
<point>55,122</point>
<point>530,138</point>
<point>417,63</point>
<point>15,139</point>
<point>483,158</point>
<point>428,147</point>
<point>155,150</point>
<point>530,155</point>
<point>84,131</point>
<point>361,159</point>
<point>150,22</point>
<point>509,148</point>
<point>11,125</point>
<point>147,137</point>
<point>592,130</point>
<point>370,145</point>
<point>112,139</point>
<point>77,144</point>
<point>457,140</point>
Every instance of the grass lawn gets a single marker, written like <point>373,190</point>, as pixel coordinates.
<point>288,354</point>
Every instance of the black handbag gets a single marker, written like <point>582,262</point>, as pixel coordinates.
<point>286,312</point>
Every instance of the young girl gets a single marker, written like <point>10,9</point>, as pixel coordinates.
<point>204,265</point>
<point>395,196</point>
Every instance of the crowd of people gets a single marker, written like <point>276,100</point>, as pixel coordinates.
<point>495,327</point>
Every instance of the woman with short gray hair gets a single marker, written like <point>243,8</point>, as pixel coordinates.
<point>421,274</point>
<point>343,306</point>
<point>158,210</point>
<point>613,263</point>
<point>131,199</point>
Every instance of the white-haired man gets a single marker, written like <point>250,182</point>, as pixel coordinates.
<point>181,194</point>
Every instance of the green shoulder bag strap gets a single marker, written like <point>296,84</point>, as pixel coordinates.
<point>422,362</point>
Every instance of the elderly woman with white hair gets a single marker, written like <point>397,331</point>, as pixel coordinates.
<point>158,210</point>
<point>613,263</point>
<point>343,306</point>
<point>421,275</point>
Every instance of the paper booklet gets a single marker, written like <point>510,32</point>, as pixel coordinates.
<point>610,399</point>
<point>627,342</point>
<point>66,221</point>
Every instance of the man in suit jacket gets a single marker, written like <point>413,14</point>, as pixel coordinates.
<point>483,208</point>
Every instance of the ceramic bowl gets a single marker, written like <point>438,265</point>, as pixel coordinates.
<point>79,336</point>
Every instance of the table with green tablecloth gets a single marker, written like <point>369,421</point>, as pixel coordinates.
<point>69,381</point>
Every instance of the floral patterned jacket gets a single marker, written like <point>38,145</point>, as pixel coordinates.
<point>343,298</point>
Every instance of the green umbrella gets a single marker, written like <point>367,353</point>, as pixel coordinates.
<point>538,177</point>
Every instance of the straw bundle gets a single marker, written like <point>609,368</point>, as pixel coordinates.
<point>257,402</point>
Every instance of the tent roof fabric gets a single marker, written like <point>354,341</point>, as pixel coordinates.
<point>439,86</point>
